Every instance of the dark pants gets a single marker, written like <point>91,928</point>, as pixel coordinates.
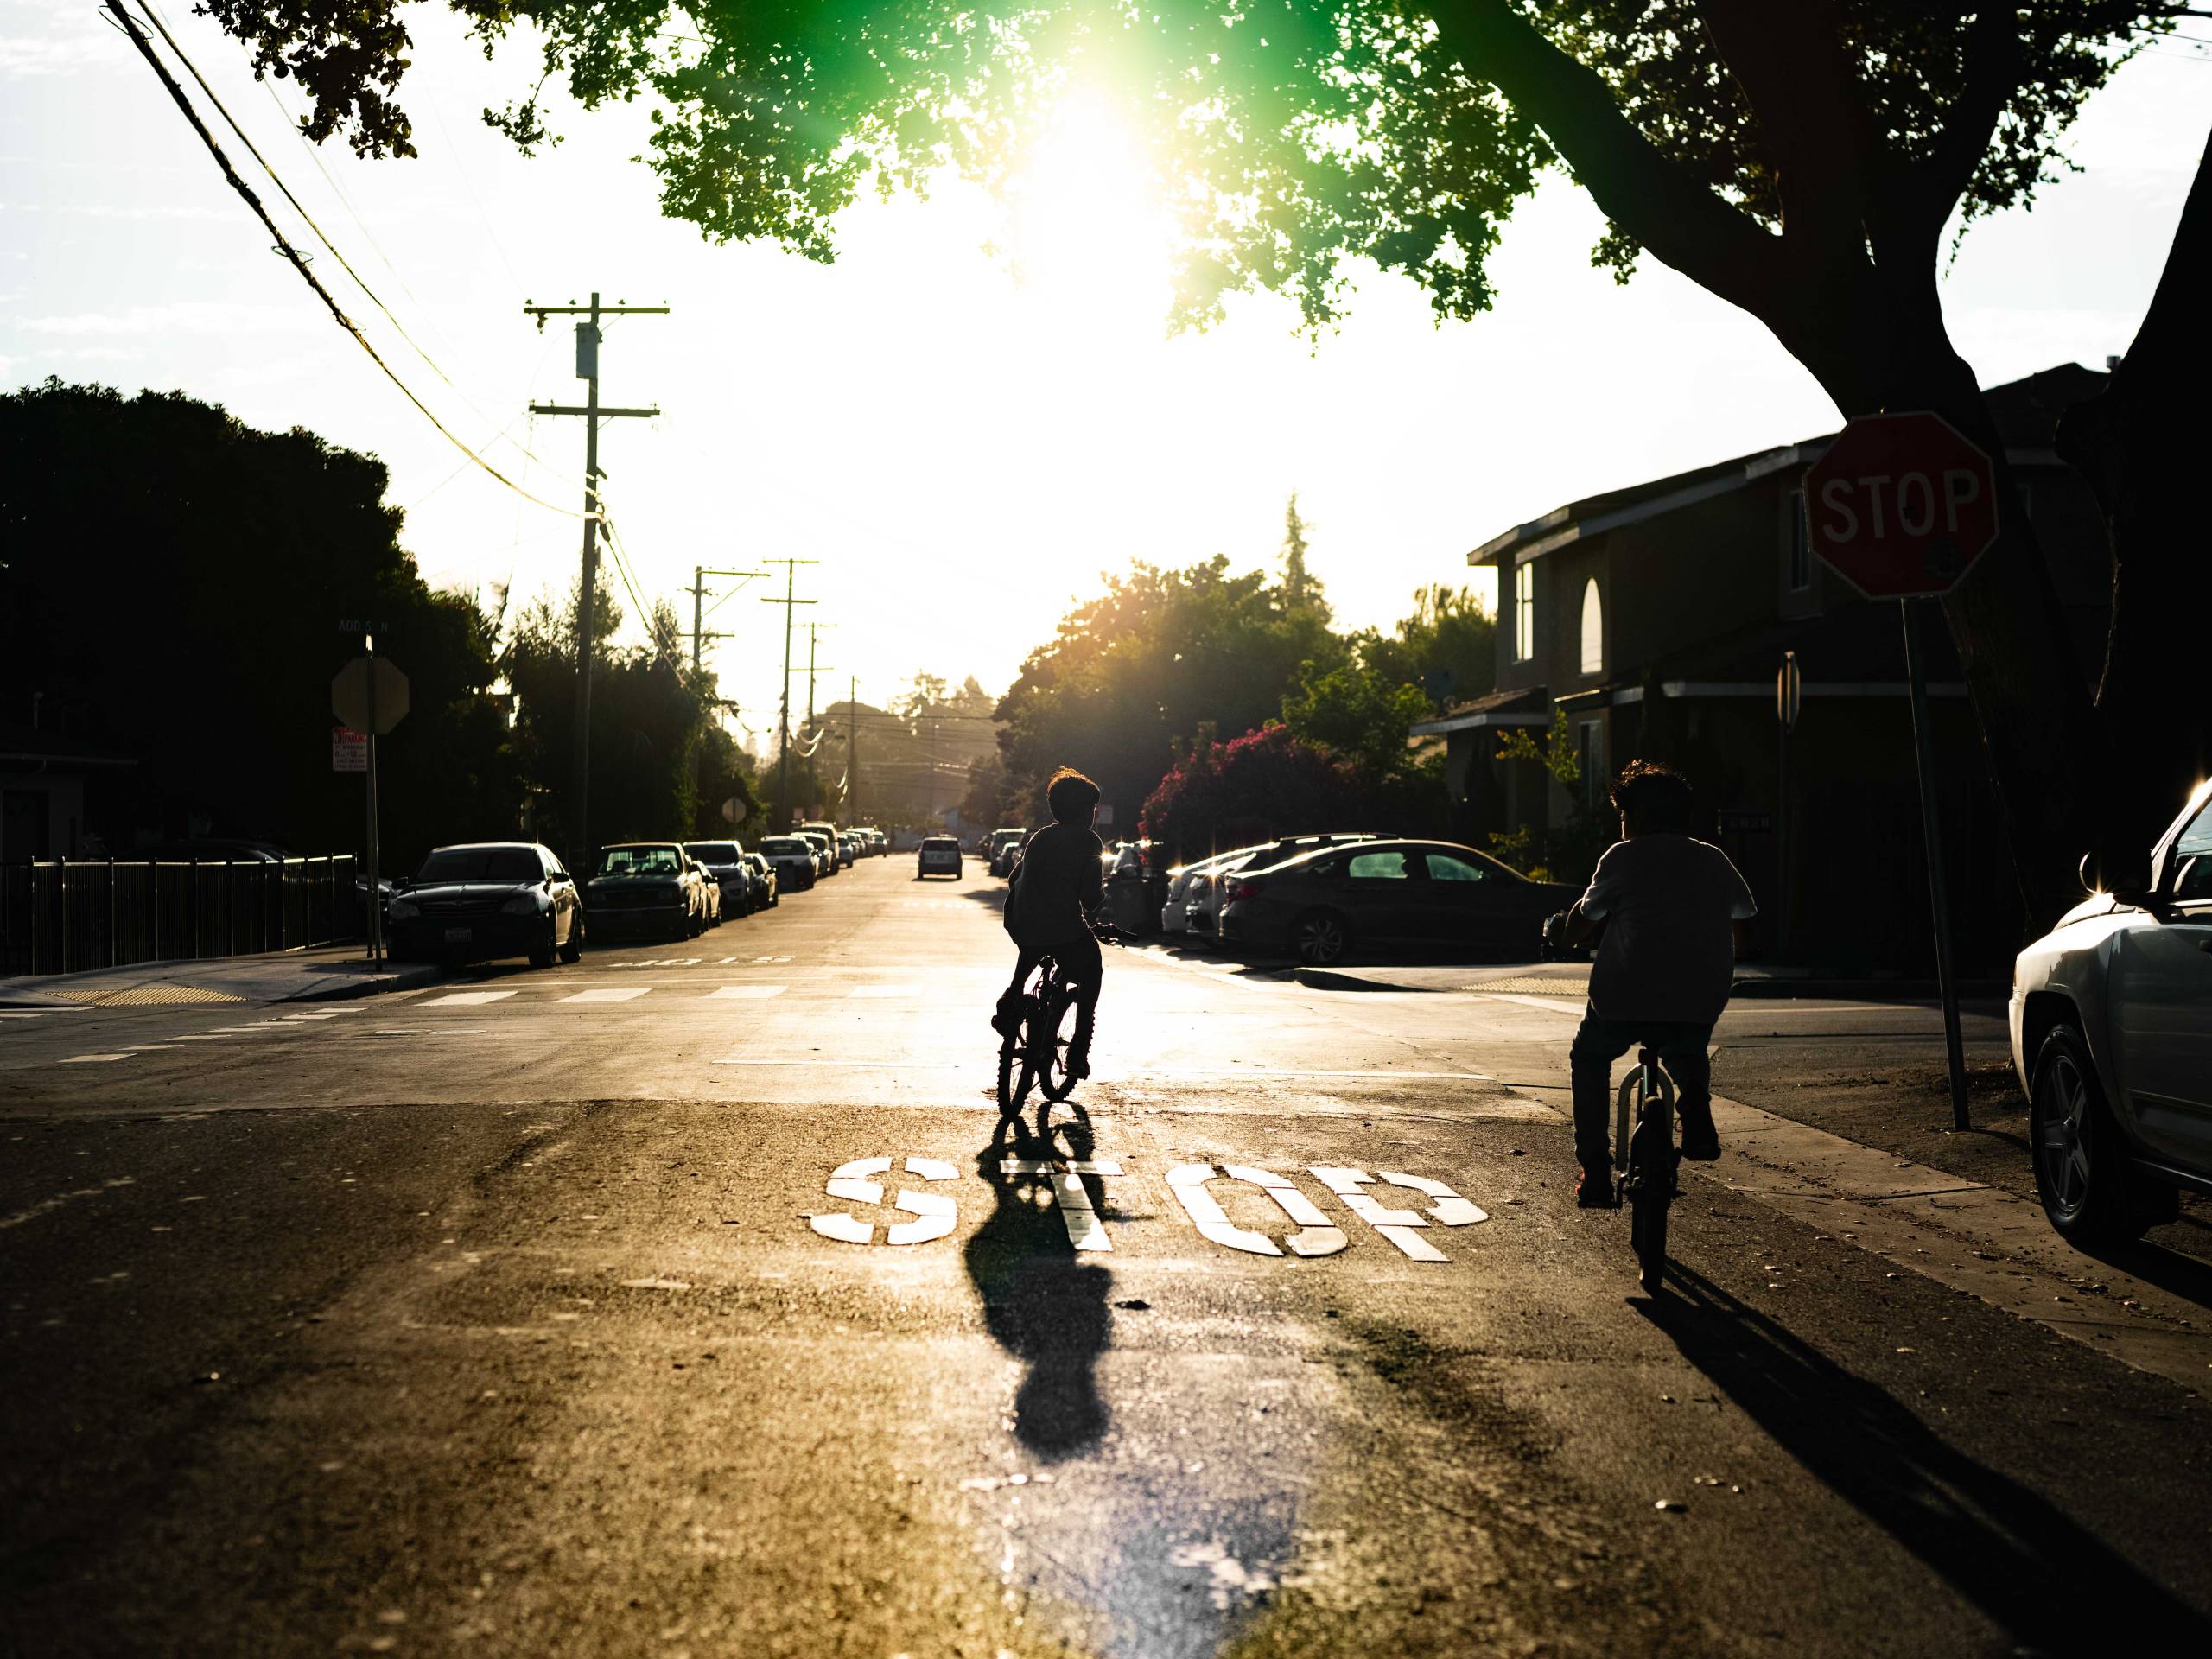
<point>1681,1046</point>
<point>1080,960</point>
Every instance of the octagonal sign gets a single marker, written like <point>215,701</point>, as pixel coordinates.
<point>1901,504</point>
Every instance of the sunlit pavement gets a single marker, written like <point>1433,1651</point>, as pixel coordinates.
<point>515,1316</point>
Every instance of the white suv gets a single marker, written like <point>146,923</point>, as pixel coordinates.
<point>2112,1036</point>
<point>940,855</point>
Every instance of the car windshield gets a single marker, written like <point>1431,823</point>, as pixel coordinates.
<point>480,864</point>
<point>941,844</point>
<point>639,861</point>
<point>716,852</point>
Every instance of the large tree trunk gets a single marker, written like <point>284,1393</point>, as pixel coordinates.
<point>2139,443</point>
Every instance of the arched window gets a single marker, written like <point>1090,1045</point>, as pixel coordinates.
<point>1593,630</point>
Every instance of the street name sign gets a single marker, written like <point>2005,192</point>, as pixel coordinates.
<point>349,695</point>
<point>349,749</point>
<point>1902,506</point>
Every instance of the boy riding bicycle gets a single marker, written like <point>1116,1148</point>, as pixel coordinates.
<point>1673,909</point>
<point>1057,885</point>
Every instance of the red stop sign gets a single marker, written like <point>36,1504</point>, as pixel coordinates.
<point>1901,504</point>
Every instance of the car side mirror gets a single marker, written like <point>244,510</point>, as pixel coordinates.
<point>2122,873</point>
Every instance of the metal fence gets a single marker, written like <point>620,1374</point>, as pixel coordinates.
<point>59,917</point>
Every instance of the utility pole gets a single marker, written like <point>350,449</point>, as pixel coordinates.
<point>814,631</point>
<point>784,768</point>
<point>587,342</point>
<point>852,748</point>
<point>698,591</point>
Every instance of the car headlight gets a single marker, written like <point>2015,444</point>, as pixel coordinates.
<point>403,910</point>
<point>523,904</point>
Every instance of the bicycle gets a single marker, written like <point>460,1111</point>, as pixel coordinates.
<point>1038,1054</point>
<point>1646,1153</point>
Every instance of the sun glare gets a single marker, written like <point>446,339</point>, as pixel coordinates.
<point>1090,233</point>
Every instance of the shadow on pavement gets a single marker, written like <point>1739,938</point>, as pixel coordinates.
<point>2051,1582</point>
<point>1044,1304</point>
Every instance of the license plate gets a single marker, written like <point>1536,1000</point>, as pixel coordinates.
<point>459,935</point>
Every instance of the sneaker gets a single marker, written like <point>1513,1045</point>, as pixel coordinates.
<point>1078,1066</point>
<point>1593,1189</point>
<point>1006,1021</point>
<point>1700,1141</point>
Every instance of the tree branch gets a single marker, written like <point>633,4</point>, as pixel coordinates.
<point>1684,224</point>
<point>1930,188</point>
<point>1784,60</point>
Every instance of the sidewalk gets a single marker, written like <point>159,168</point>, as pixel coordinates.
<point>1753,980</point>
<point>325,974</point>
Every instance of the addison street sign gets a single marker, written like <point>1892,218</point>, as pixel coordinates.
<point>1900,506</point>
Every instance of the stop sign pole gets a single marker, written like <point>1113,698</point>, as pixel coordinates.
<point>1901,507</point>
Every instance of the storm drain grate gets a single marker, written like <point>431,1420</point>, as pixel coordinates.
<point>144,995</point>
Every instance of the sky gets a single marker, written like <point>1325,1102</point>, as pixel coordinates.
<point>977,410</point>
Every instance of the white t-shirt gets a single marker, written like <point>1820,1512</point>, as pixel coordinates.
<point>1668,951</point>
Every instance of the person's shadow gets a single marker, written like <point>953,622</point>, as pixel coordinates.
<point>1044,1303</point>
<point>2054,1584</point>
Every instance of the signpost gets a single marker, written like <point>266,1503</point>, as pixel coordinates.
<point>1901,507</point>
<point>1788,700</point>
<point>370,695</point>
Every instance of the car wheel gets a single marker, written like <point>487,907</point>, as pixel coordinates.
<point>541,955</point>
<point>2081,1172</point>
<point>1319,937</point>
<point>574,949</point>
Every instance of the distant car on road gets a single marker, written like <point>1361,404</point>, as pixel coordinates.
<point>484,901</point>
<point>646,889</point>
<point>795,859</point>
<point>825,856</point>
<point>1005,846</point>
<point>1421,895</point>
<point>833,853</point>
<point>2110,1016</point>
<point>939,855</point>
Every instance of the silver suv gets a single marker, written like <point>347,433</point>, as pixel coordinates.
<point>2112,1036</point>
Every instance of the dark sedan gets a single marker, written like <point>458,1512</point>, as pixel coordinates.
<point>1405,894</point>
<point>644,890</point>
<point>476,903</point>
<point>724,863</point>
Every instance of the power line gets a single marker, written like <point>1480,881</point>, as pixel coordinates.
<point>246,192</point>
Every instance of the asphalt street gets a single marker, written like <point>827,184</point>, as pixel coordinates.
<point>515,1316</point>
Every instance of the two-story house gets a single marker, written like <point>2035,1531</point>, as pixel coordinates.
<point>1656,618</point>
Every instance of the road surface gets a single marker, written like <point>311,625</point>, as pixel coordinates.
<point>514,1317</point>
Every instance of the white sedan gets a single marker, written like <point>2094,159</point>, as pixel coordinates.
<point>940,855</point>
<point>2112,1037</point>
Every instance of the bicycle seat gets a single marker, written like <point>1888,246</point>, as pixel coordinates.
<point>1647,1057</point>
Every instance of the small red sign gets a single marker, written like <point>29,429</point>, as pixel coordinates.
<point>1902,506</point>
<point>349,750</point>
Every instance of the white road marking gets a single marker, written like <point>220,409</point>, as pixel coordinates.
<point>1085,1230</point>
<point>1399,1226</point>
<point>196,1036</point>
<point>90,1060</point>
<point>467,999</point>
<point>1315,1235</point>
<point>609,993</point>
<point>46,1206</point>
<point>27,1013</point>
<point>885,990</point>
<point>937,1214</point>
<point>747,992</point>
<point>1551,1004</point>
<point>331,1015</point>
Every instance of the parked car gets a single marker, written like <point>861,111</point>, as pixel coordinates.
<point>2111,1019</point>
<point>762,876</point>
<point>825,861</point>
<point>1175,911</point>
<point>646,889</point>
<point>834,857</point>
<point>1203,898</point>
<point>724,864</point>
<point>939,855</point>
<point>870,839</point>
<point>1406,893</point>
<point>1004,847</point>
<point>795,859</point>
<point>483,900</point>
<point>710,891</point>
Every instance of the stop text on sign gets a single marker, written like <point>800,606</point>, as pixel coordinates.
<point>1900,506</point>
<point>1404,1225</point>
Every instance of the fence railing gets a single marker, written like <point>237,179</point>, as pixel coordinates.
<point>61,916</point>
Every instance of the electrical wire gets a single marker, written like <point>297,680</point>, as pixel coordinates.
<point>246,193</point>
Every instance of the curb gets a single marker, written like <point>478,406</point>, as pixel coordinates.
<point>1869,990</point>
<point>406,979</point>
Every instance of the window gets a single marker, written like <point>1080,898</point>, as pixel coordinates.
<point>638,860</point>
<point>1377,866</point>
<point>1524,613</point>
<point>1593,630</point>
<point>1799,543</point>
<point>1590,751</point>
<point>1442,867</point>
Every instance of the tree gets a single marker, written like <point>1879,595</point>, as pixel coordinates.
<point>1299,591</point>
<point>1265,783</point>
<point>1448,647</point>
<point>1802,161</point>
<point>171,587</point>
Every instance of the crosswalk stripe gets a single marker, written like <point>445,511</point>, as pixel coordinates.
<point>747,993</point>
<point>86,1059</point>
<point>609,993</point>
<point>467,999</point>
<point>885,990</point>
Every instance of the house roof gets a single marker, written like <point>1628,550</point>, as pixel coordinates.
<point>1528,707</point>
<point>36,747</point>
<point>2026,412</point>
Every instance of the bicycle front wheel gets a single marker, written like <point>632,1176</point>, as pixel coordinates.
<point>1650,1189</point>
<point>1648,1232</point>
<point>1053,1068</point>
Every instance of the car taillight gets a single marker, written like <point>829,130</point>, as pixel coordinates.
<point>1242,886</point>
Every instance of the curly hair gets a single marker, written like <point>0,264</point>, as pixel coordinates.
<point>1656,796</point>
<point>1070,795</point>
